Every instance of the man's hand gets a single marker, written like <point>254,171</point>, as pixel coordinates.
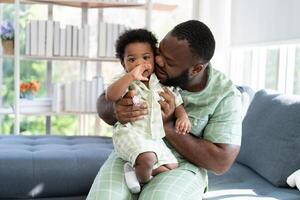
<point>168,105</point>
<point>126,111</point>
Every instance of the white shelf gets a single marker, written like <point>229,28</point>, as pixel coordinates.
<point>10,111</point>
<point>63,58</point>
<point>6,111</point>
<point>79,3</point>
<point>16,110</point>
<point>97,4</point>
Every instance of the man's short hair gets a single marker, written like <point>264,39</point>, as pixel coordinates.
<point>133,36</point>
<point>200,38</point>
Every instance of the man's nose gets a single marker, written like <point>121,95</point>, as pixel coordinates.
<point>160,61</point>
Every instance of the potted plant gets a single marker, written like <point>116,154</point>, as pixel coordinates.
<point>28,89</point>
<point>7,37</point>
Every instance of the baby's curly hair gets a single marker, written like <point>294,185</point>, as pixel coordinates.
<point>132,36</point>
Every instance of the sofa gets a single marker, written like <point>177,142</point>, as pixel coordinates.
<point>50,167</point>
<point>270,150</point>
<point>62,167</point>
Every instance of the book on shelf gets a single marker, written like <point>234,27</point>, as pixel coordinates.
<point>93,99</point>
<point>58,97</point>
<point>62,42</point>
<point>68,97</point>
<point>41,38</point>
<point>27,39</point>
<point>86,42</point>
<point>80,42</point>
<point>122,29</point>
<point>88,94</point>
<point>109,39</point>
<point>33,37</point>
<point>56,39</point>
<point>74,41</point>
<point>68,40</point>
<point>102,39</point>
<point>107,35</point>
<point>49,37</point>
<point>77,96</point>
<point>115,35</point>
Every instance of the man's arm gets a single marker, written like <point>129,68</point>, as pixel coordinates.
<point>106,110</point>
<point>201,152</point>
<point>123,110</point>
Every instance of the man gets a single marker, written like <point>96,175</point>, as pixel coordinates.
<point>214,108</point>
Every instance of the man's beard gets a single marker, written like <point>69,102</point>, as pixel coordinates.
<point>180,80</point>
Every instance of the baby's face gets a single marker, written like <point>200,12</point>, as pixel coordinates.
<point>137,54</point>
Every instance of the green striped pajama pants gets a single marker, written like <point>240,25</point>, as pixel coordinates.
<point>177,184</point>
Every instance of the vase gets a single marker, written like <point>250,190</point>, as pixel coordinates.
<point>27,95</point>
<point>8,47</point>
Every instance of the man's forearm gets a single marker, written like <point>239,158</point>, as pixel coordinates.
<point>105,110</point>
<point>201,152</point>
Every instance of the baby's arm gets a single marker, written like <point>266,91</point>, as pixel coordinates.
<point>183,124</point>
<point>116,90</point>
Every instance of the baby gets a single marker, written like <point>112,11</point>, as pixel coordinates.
<point>140,143</point>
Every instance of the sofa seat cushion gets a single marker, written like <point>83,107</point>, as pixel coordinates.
<point>50,166</point>
<point>242,183</point>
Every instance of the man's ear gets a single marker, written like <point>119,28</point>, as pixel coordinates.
<point>197,69</point>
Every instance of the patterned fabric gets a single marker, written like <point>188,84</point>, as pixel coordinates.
<point>145,135</point>
<point>216,115</point>
<point>175,184</point>
<point>216,111</point>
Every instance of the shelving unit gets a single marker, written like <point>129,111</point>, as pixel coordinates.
<point>96,4</point>
<point>10,111</point>
<point>63,58</point>
<point>84,5</point>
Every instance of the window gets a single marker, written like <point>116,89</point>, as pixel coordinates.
<point>297,72</point>
<point>271,71</point>
<point>271,67</point>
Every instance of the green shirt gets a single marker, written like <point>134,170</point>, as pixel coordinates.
<point>152,125</point>
<point>215,113</point>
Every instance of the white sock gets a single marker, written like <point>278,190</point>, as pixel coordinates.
<point>131,179</point>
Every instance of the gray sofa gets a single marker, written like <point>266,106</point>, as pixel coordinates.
<point>52,168</point>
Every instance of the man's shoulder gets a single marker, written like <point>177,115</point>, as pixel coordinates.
<point>221,84</point>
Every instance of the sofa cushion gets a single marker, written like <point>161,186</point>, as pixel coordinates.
<point>271,136</point>
<point>50,166</point>
<point>242,183</point>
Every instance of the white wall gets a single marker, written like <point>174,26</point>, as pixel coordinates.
<point>264,21</point>
<point>216,15</point>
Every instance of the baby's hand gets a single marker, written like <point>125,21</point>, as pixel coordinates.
<point>183,125</point>
<point>138,71</point>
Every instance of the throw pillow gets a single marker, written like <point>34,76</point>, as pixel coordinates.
<point>271,136</point>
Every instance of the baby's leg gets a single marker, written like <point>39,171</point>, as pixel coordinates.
<point>144,165</point>
<point>164,168</point>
